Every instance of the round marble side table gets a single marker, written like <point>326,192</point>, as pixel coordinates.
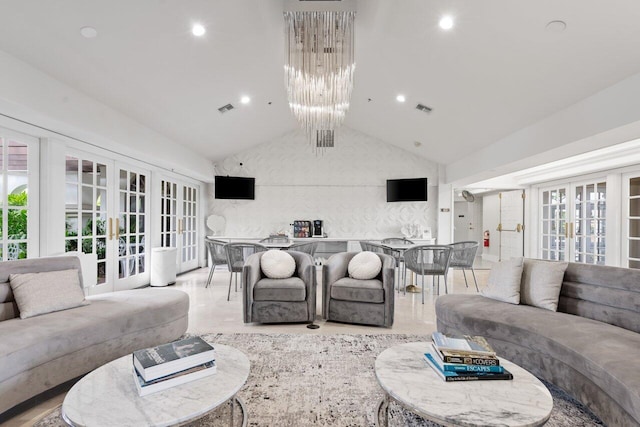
<point>108,396</point>
<point>407,379</point>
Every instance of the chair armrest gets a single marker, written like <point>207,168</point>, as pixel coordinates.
<point>334,269</point>
<point>388,274</point>
<point>251,274</point>
<point>306,270</point>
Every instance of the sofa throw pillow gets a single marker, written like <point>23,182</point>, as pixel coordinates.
<point>364,266</point>
<point>504,281</point>
<point>46,292</point>
<point>277,264</point>
<point>541,283</point>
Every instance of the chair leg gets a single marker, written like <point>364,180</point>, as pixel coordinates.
<point>423,289</point>
<point>236,282</point>
<point>474,279</point>
<point>213,267</point>
<point>230,278</point>
<point>446,291</point>
<point>405,279</point>
<point>465,277</point>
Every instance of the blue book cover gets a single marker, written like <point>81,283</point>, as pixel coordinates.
<point>465,376</point>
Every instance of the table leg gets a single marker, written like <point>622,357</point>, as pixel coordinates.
<point>383,406</point>
<point>232,405</point>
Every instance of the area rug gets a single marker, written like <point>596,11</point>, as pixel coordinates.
<point>327,380</point>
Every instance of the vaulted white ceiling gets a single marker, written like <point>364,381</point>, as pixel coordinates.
<point>496,72</point>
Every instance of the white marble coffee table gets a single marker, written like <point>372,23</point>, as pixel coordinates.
<point>407,379</point>
<point>108,396</point>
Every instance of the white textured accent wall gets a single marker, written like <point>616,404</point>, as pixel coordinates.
<point>345,187</point>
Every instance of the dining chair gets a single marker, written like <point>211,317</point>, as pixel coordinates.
<point>462,256</point>
<point>275,239</point>
<point>306,247</point>
<point>429,260</point>
<point>218,255</point>
<point>398,255</point>
<point>237,254</point>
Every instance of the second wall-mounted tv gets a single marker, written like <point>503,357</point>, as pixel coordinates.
<point>407,190</point>
<point>235,187</point>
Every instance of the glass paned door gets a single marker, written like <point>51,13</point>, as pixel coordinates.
<point>106,215</point>
<point>588,228</point>
<point>131,228</point>
<point>16,207</point>
<point>178,218</point>
<point>631,223</point>
<point>188,228</point>
<point>87,210</point>
<point>573,222</point>
<point>553,217</point>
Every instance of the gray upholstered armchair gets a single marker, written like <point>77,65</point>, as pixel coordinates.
<point>279,300</point>
<point>367,302</point>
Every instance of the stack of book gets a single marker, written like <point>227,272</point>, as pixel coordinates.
<point>464,359</point>
<point>168,365</point>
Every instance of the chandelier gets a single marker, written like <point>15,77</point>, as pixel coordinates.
<point>319,66</point>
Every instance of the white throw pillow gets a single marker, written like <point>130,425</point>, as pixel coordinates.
<point>541,283</point>
<point>504,281</point>
<point>40,293</point>
<point>364,266</point>
<point>277,264</point>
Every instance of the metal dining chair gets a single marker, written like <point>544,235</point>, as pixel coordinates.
<point>218,255</point>
<point>237,254</point>
<point>398,255</point>
<point>306,247</point>
<point>429,260</point>
<point>462,256</point>
<point>275,239</point>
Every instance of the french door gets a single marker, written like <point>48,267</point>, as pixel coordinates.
<point>106,207</point>
<point>178,219</point>
<point>573,222</point>
<point>631,220</point>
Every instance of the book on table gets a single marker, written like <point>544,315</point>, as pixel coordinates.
<point>191,374</point>
<point>166,359</point>
<point>451,376</point>
<point>471,350</point>
<point>462,367</point>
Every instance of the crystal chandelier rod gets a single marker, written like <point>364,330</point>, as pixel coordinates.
<point>319,67</point>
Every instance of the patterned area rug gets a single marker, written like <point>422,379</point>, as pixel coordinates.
<point>327,380</point>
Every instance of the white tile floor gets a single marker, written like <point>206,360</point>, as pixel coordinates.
<point>211,312</point>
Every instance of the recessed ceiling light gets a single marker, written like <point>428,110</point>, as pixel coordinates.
<point>400,98</point>
<point>88,32</point>
<point>198,30</point>
<point>446,22</point>
<point>556,26</point>
<point>245,100</point>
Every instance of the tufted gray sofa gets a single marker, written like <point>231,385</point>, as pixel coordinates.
<point>590,347</point>
<point>41,352</point>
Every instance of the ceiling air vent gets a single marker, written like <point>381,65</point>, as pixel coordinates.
<point>423,108</point>
<point>324,139</point>
<point>225,108</point>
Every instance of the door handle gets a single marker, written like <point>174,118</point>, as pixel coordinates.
<point>571,230</point>
<point>117,228</point>
<point>110,235</point>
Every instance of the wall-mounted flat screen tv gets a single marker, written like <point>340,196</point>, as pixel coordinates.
<point>235,187</point>
<point>407,190</point>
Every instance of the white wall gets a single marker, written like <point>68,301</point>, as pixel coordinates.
<point>345,187</point>
<point>31,96</point>
<point>609,117</point>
